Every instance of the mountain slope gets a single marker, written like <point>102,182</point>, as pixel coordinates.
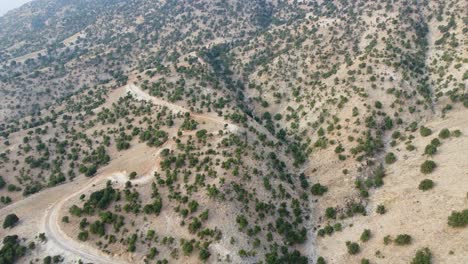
<point>235,131</point>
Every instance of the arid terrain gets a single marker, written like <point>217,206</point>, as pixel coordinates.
<point>234,131</point>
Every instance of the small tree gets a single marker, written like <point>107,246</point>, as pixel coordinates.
<point>321,260</point>
<point>426,184</point>
<point>330,213</point>
<point>390,158</point>
<point>365,261</point>
<point>204,254</point>
<point>423,256</point>
<point>458,219</point>
<point>353,247</point>
<point>381,209</point>
<point>424,131</point>
<point>365,236</point>
<point>444,133</point>
<point>10,221</point>
<point>318,189</point>
<point>403,239</point>
<point>428,166</point>
<point>430,150</point>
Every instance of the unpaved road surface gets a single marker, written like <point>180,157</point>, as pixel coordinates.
<point>42,212</point>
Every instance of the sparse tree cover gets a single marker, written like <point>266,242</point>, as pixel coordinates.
<point>11,250</point>
<point>243,114</point>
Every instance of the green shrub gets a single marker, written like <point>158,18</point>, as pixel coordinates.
<point>321,260</point>
<point>10,221</point>
<point>366,235</point>
<point>318,189</point>
<point>390,158</point>
<point>2,182</point>
<point>426,184</point>
<point>458,219</point>
<point>204,254</point>
<point>381,209</point>
<point>423,256</point>
<point>430,150</point>
<point>444,133</point>
<point>365,261</point>
<point>410,147</point>
<point>83,236</point>
<point>457,133</point>
<point>403,239</point>
<point>187,248</point>
<point>12,250</point>
<point>428,166</point>
<point>387,240</point>
<point>338,227</point>
<point>424,131</point>
<point>330,213</point>
<point>435,142</point>
<point>353,247</point>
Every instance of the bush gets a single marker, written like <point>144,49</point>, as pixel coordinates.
<point>365,261</point>
<point>390,158</point>
<point>2,182</point>
<point>353,247</point>
<point>457,133</point>
<point>187,248</point>
<point>204,254</point>
<point>318,189</point>
<point>435,142</point>
<point>11,250</point>
<point>430,150</point>
<point>424,131</point>
<point>381,209</point>
<point>458,219</point>
<point>83,236</point>
<point>444,133</point>
<point>365,236</point>
<point>403,239</point>
<point>338,227</point>
<point>423,256</point>
<point>321,260</point>
<point>10,221</point>
<point>426,184</point>
<point>428,166</point>
<point>330,213</point>
<point>387,240</point>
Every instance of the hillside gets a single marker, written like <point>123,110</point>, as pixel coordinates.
<point>234,131</point>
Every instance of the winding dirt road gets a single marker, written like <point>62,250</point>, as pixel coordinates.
<point>55,234</point>
<point>138,93</point>
<point>52,200</point>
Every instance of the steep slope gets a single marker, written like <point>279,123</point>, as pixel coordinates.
<point>236,131</point>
